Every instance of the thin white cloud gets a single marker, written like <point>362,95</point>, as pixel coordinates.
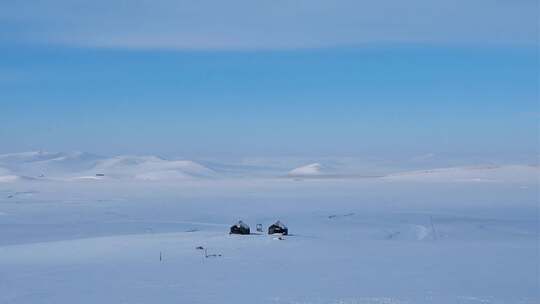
<point>267,24</point>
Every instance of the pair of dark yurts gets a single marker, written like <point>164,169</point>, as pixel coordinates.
<point>243,228</point>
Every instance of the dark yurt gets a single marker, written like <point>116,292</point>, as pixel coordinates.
<point>240,228</point>
<point>278,227</point>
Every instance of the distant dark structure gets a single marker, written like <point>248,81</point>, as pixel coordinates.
<point>100,174</point>
<point>278,227</point>
<point>240,228</point>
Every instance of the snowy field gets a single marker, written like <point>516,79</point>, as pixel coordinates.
<point>78,228</point>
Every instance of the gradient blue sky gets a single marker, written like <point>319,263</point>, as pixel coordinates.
<point>200,78</point>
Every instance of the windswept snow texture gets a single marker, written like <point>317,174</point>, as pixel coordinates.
<point>455,235</point>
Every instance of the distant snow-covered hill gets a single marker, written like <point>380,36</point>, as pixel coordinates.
<point>507,173</point>
<point>150,168</point>
<point>314,169</point>
<point>44,164</point>
<point>81,165</point>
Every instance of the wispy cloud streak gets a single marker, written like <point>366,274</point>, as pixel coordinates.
<point>265,24</point>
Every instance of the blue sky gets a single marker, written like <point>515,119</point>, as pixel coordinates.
<point>272,78</point>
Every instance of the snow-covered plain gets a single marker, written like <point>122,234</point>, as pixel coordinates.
<point>467,234</point>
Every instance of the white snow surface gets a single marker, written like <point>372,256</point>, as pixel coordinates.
<point>466,234</point>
